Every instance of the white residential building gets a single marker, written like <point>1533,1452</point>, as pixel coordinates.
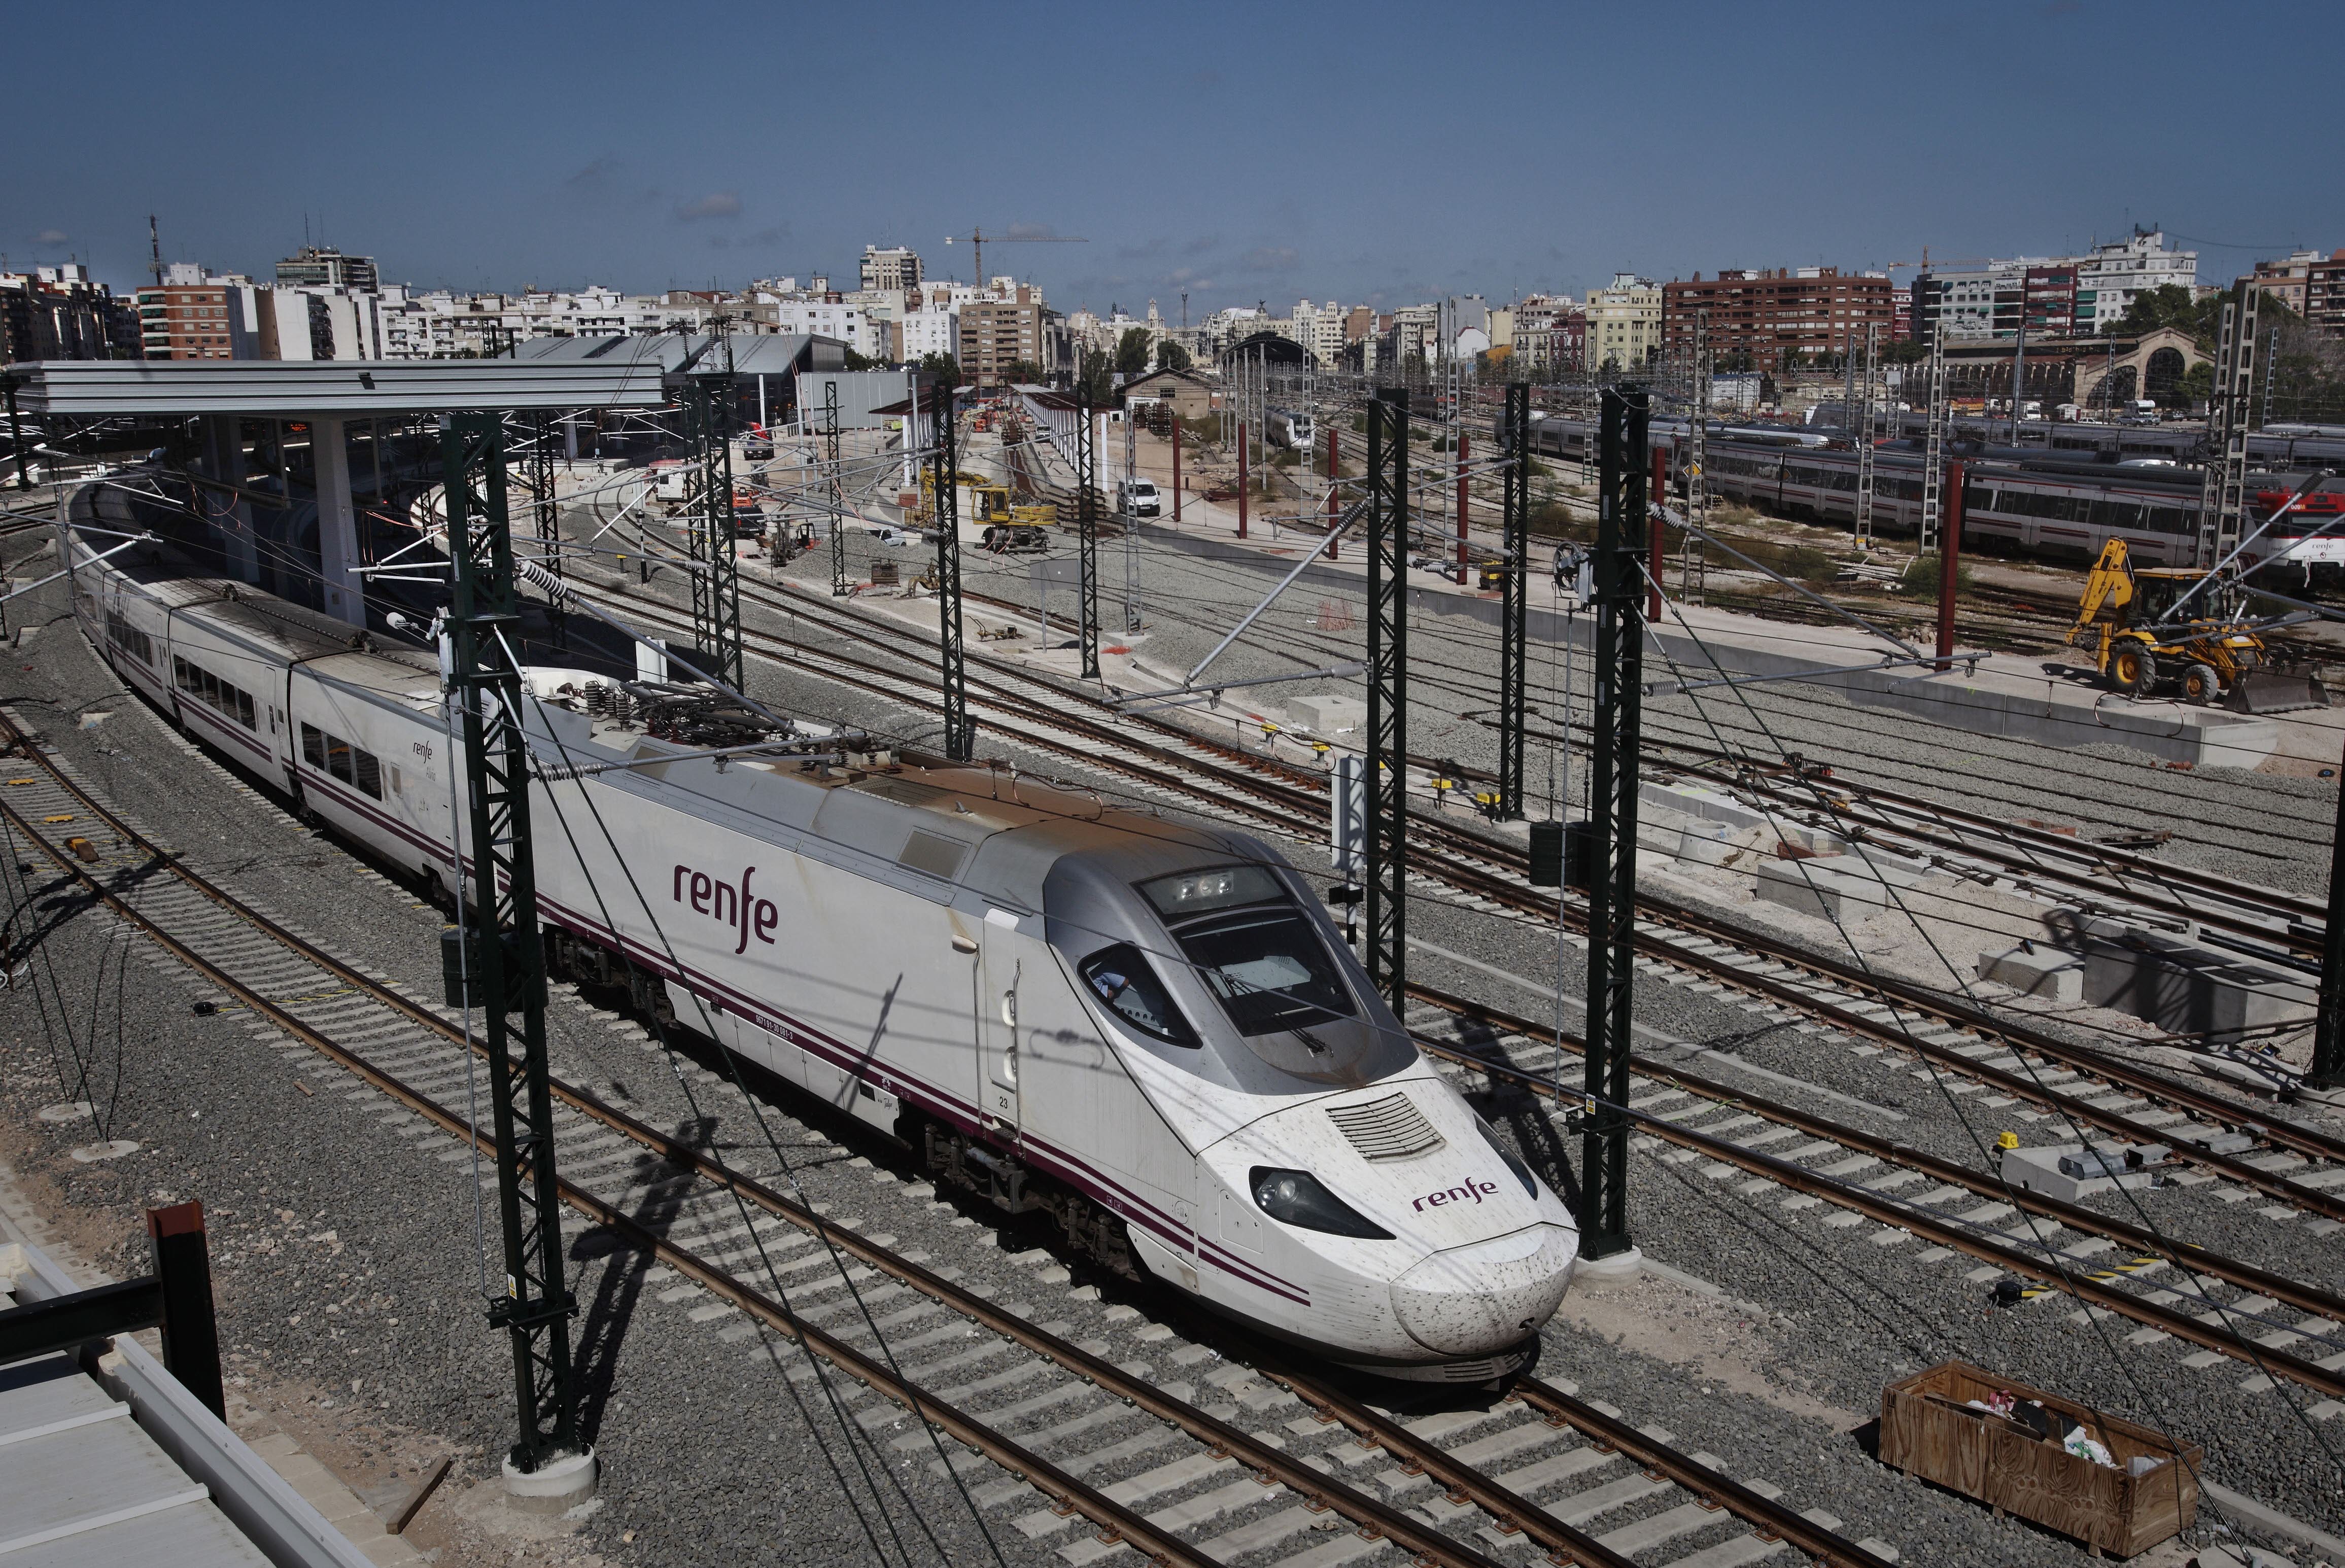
<point>847,323</point>
<point>930,332</point>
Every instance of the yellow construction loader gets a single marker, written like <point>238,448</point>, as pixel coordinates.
<point>2207,651</point>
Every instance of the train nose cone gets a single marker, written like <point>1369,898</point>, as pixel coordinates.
<point>1474,1299</point>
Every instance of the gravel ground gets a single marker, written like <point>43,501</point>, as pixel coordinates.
<point>1833,1322</point>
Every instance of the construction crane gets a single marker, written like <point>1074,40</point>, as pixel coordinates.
<point>976,237</point>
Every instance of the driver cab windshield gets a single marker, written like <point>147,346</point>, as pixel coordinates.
<point>1259,955</point>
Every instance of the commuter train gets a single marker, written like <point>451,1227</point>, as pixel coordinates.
<point>2054,503</point>
<point>1286,428</point>
<point>1195,1079</point>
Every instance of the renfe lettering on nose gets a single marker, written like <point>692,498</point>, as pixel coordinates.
<point>729,904</point>
<point>1471,1192</point>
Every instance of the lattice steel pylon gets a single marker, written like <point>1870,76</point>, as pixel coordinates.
<point>506,965</point>
<point>1131,525</point>
<point>833,466</point>
<point>2222,490</point>
<point>1513,651</point>
<point>1087,531</point>
<point>1863,529</point>
<point>1386,926</point>
<point>1692,559</point>
<point>1933,444</point>
<point>548,516</point>
<point>961,734</point>
<point>1621,535</point>
<point>716,568</point>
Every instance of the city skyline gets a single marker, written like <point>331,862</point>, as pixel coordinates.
<point>1526,149</point>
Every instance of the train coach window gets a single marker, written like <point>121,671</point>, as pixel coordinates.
<point>212,692</point>
<point>331,754</point>
<point>1122,978</point>
<point>128,638</point>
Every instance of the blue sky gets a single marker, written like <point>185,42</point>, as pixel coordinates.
<point>1363,151</point>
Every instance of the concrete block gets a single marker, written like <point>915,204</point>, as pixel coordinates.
<point>1327,713</point>
<point>2051,973</point>
<point>2186,989</point>
<point>1829,885</point>
<point>1708,844</point>
<point>2069,1171</point>
<point>1702,801</point>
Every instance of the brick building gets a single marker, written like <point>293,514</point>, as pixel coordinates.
<point>1758,318</point>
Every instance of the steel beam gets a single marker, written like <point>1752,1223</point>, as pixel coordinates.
<point>503,962</point>
<point>717,572</point>
<point>1612,824</point>
<point>1514,654</point>
<point>548,514</point>
<point>832,466</point>
<point>1087,532</point>
<point>959,734</point>
<point>2329,1020</point>
<point>1387,946</point>
<point>1933,442</point>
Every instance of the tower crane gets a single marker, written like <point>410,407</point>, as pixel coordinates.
<point>976,238</point>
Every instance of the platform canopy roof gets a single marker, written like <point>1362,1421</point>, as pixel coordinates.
<point>327,389</point>
<point>694,353</point>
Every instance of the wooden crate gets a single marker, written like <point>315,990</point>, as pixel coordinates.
<point>1929,1428</point>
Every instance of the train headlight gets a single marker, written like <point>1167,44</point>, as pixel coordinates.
<point>1299,1199</point>
<point>1498,1147</point>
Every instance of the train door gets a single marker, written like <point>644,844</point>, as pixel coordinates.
<point>1001,970</point>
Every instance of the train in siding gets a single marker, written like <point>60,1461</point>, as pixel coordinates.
<point>2051,503</point>
<point>1151,1032</point>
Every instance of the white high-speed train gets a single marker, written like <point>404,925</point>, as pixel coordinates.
<point>1151,1031</point>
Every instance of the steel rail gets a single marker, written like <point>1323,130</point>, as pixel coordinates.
<point>2020,1085</point>
<point>1376,1519</point>
<point>1516,1514</point>
<point>1894,1212</point>
<point>2076,1217</point>
<point>1711,1487</point>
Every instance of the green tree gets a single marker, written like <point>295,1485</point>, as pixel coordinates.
<point>1171,356</point>
<point>1095,379</point>
<point>944,367</point>
<point>2170,305</point>
<point>1025,372</point>
<point>1132,352</point>
<point>855,361</point>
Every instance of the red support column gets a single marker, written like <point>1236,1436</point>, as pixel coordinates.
<point>1176,467</point>
<point>1334,503</point>
<point>1241,479</point>
<point>1461,509</point>
<point>1950,560</point>
<point>1659,497</point>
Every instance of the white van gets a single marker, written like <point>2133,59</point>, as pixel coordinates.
<point>1138,498</point>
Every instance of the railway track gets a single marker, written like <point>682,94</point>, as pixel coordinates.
<point>2224,1299</point>
<point>2082,1086</point>
<point>1259,1476</point>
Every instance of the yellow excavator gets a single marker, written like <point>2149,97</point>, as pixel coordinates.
<point>2208,653</point>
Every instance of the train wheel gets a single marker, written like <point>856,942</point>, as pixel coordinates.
<point>2133,670</point>
<point>2200,683</point>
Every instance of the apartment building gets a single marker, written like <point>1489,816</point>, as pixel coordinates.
<point>323,267</point>
<point>58,313</point>
<point>1760,320</point>
<point>895,268</point>
<point>1624,323</point>
<point>2324,294</point>
<point>996,335</point>
<point>192,315</point>
<point>2081,295</point>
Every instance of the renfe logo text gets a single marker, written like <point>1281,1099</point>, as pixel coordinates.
<point>1472,1191</point>
<point>724,902</point>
